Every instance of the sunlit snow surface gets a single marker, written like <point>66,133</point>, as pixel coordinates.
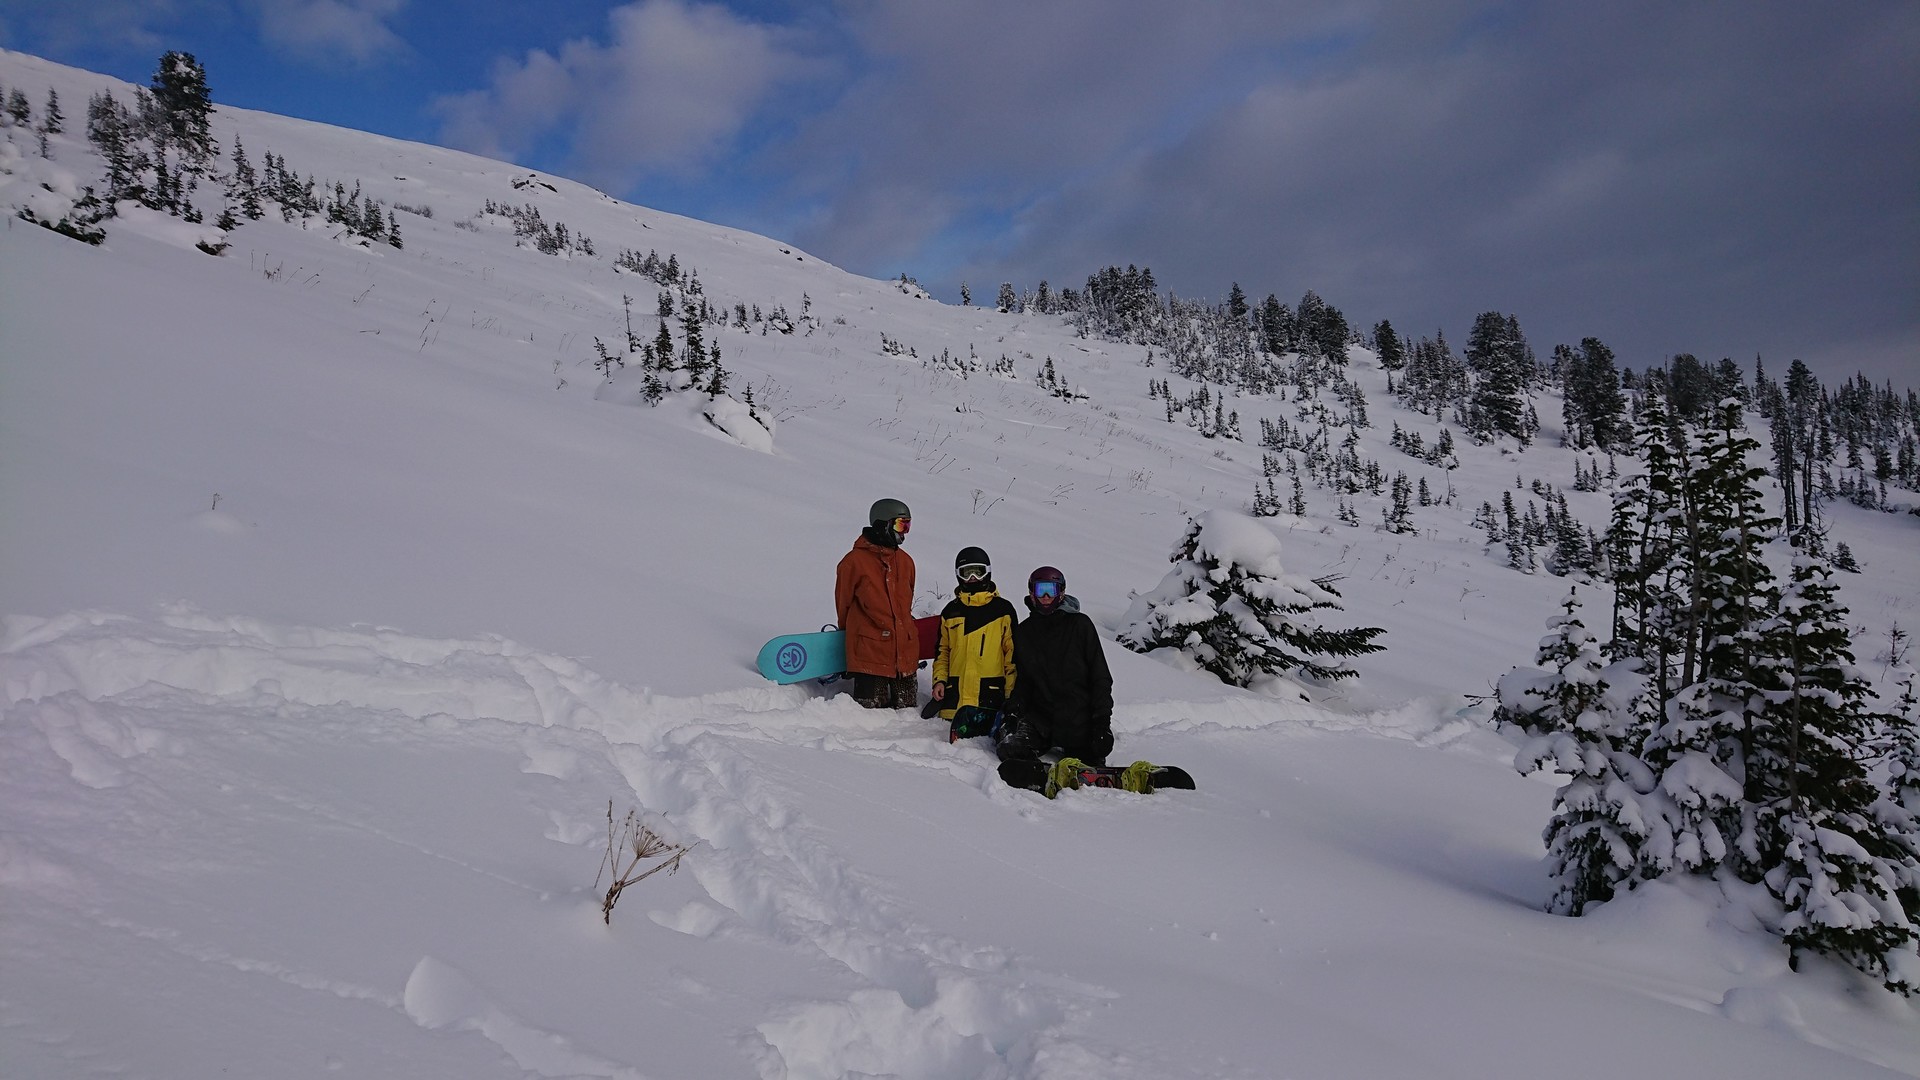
<point>343,602</point>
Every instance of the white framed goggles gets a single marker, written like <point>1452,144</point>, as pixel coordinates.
<point>972,571</point>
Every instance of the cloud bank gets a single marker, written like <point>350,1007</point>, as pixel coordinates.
<point>673,83</point>
<point>357,30</point>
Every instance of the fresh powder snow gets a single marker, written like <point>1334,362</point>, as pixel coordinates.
<point>348,608</point>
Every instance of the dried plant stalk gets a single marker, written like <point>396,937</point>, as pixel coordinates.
<point>633,843</point>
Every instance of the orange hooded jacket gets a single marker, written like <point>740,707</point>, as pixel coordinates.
<point>873,597</point>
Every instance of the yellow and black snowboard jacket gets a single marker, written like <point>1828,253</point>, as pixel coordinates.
<point>976,650</point>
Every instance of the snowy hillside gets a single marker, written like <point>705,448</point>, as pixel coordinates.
<point>346,601</point>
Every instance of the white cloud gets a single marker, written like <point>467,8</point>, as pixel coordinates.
<point>132,25</point>
<point>668,90</point>
<point>355,29</point>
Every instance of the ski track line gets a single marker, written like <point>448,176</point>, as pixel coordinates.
<point>987,780</point>
<point>936,1007</point>
<point>439,995</point>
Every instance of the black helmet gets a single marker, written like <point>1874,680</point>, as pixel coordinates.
<point>883,514</point>
<point>1045,587</point>
<point>972,565</point>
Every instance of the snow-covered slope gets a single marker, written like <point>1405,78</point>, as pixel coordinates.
<point>343,599</point>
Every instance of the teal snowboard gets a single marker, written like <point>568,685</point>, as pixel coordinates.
<point>792,658</point>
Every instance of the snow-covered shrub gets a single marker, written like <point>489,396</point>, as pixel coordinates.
<point>1228,604</point>
<point>740,421</point>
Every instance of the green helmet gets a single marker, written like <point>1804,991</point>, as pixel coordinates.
<point>886,510</point>
<point>892,516</point>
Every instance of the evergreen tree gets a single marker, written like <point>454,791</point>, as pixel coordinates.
<point>108,129</point>
<point>1578,713</point>
<point>19,110</point>
<point>1899,809</point>
<point>1399,515</point>
<point>52,120</point>
<point>1644,550</point>
<point>1228,604</point>
<point>1276,326</point>
<point>1322,329</point>
<point>1008,300</point>
<point>1710,658</point>
<point>663,346</point>
<point>1388,346</point>
<point>1843,559</point>
<point>1797,449</point>
<point>695,351</point>
<point>1502,364</point>
<point>1826,856</point>
<point>243,185</point>
<point>180,91</point>
<point>1690,387</point>
<point>1594,408</point>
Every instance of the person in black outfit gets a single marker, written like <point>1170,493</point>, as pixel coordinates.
<point>1063,699</point>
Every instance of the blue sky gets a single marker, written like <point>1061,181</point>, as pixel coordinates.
<point>1726,179</point>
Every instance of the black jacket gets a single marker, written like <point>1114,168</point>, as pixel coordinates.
<point>1064,686</point>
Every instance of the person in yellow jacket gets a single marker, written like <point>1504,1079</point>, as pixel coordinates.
<point>974,668</point>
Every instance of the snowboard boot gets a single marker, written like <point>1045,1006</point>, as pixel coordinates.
<point>1138,777</point>
<point>872,691</point>
<point>970,721</point>
<point>1065,776</point>
<point>1019,741</point>
<point>905,692</point>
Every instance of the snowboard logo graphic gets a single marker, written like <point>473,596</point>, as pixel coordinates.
<point>792,659</point>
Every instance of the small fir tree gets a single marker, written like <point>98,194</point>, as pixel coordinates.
<point>1578,712</point>
<point>1230,606</point>
<point>52,120</point>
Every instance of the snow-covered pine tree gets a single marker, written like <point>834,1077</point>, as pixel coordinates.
<point>1399,516</point>
<point>695,351</point>
<point>243,184</point>
<point>52,120</point>
<point>1844,882</point>
<point>1644,550</point>
<point>1713,663</point>
<point>1578,712</point>
<point>1899,809</point>
<point>1230,606</point>
<point>185,104</point>
<point>1498,354</point>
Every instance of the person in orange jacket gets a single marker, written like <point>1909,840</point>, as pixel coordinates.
<point>873,599</point>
